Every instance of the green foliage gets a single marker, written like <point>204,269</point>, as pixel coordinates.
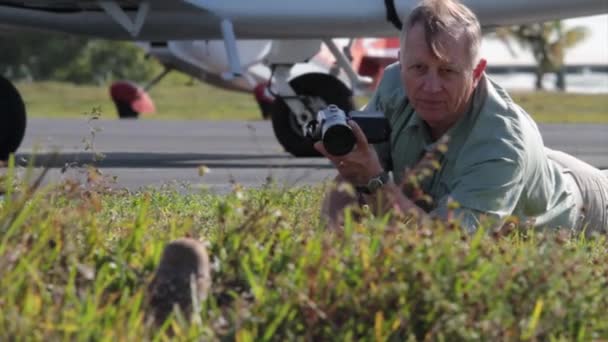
<point>37,55</point>
<point>102,61</point>
<point>69,58</point>
<point>75,259</point>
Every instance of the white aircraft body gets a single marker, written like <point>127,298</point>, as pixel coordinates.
<point>277,48</point>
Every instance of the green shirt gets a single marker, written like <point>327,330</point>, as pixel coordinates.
<point>495,165</point>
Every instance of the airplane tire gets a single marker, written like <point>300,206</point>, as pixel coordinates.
<point>284,123</point>
<point>125,111</point>
<point>130,99</point>
<point>12,119</point>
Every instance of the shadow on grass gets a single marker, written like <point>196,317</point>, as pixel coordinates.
<point>172,160</point>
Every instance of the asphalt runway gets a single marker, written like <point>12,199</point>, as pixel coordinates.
<point>151,153</point>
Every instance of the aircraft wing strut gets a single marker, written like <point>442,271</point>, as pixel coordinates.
<point>229,40</point>
<point>119,15</point>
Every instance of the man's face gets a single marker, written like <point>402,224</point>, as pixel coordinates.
<point>439,90</point>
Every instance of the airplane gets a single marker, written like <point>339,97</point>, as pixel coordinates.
<point>206,60</point>
<point>286,36</point>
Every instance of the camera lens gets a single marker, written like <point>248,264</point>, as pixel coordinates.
<point>339,140</point>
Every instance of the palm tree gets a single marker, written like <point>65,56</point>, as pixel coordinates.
<point>548,42</point>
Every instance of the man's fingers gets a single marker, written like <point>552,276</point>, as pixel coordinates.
<point>319,147</point>
<point>359,135</point>
<point>337,161</point>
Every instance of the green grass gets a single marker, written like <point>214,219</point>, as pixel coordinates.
<point>75,260</point>
<point>564,107</point>
<point>177,98</point>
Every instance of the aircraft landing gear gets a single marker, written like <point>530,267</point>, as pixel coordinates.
<point>299,99</point>
<point>264,100</point>
<point>315,91</point>
<point>12,118</point>
<point>131,100</point>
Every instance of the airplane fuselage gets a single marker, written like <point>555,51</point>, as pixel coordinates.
<point>267,19</point>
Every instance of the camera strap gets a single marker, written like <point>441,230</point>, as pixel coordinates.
<point>391,14</point>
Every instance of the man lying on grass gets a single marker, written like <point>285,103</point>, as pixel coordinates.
<point>495,166</point>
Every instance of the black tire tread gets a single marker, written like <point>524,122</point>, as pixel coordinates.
<point>12,118</point>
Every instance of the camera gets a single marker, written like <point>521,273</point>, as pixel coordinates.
<point>338,138</point>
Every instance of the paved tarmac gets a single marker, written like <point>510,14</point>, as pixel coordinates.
<point>143,153</point>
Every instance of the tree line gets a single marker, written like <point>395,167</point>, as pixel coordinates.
<point>548,42</point>
<point>68,58</point>
<point>43,56</point>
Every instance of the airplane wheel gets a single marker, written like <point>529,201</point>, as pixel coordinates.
<point>284,122</point>
<point>12,118</point>
<point>130,100</point>
<point>125,111</point>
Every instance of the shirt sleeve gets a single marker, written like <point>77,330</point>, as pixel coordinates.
<point>489,184</point>
<point>382,149</point>
<point>468,218</point>
<point>386,97</point>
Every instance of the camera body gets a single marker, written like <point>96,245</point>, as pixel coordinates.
<point>338,138</point>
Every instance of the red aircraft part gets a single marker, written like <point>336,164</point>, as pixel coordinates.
<point>262,94</point>
<point>372,55</point>
<point>128,92</point>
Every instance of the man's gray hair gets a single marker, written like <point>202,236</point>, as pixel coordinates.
<point>445,16</point>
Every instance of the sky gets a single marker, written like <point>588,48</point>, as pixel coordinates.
<point>593,50</point>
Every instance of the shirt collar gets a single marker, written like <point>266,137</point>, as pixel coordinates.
<point>414,122</point>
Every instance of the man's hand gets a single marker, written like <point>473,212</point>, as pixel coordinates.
<point>359,165</point>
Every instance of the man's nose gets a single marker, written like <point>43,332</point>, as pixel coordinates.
<point>432,82</point>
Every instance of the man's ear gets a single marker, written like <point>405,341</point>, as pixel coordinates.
<point>479,69</point>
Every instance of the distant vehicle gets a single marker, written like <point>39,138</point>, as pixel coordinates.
<point>278,55</point>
